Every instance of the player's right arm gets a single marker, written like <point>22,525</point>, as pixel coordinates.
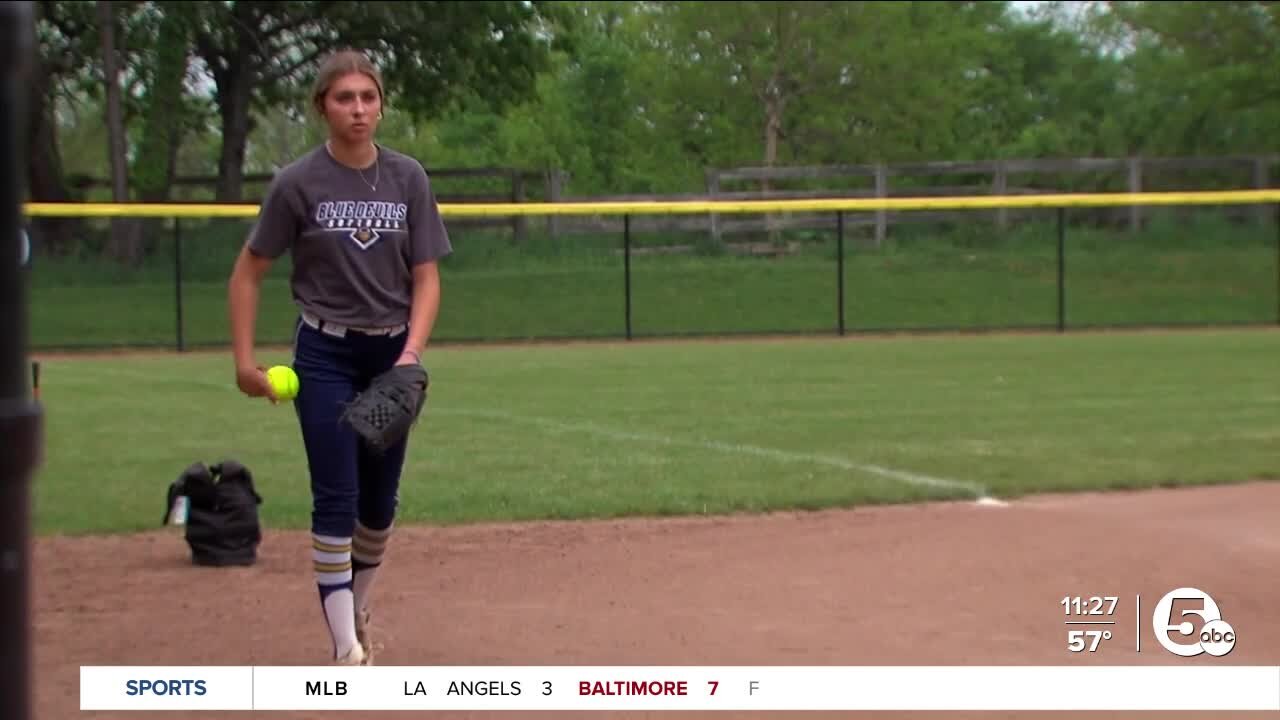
<point>271,237</point>
<point>243,291</point>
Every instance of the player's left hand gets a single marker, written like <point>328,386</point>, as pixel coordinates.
<point>383,414</point>
<point>408,358</point>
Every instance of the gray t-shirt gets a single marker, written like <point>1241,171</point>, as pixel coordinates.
<point>354,248</point>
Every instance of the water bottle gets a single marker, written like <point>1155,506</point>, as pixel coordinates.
<point>178,514</point>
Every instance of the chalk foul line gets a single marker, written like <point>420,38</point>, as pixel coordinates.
<point>911,478</point>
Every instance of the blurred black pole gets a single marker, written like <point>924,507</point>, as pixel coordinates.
<point>20,426</point>
<point>626,269</point>
<point>177,281</point>
<point>1062,269</point>
<point>840,272</point>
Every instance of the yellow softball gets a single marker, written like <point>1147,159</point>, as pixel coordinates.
<point>284,382</point>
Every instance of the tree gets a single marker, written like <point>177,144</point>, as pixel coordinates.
<point>124,233</point>
<point>774,53</point>
<point>1207,75</point>
<point>166,108</point>
<point>257,53</point>
<point>63,31</point>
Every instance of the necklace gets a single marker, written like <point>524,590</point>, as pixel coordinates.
<point>377,167</point>
<point>377,173</point>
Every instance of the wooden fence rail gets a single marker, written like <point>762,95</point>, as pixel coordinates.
<point>452,185</point>
<point>1138,174</point>
<point>1013,176</point>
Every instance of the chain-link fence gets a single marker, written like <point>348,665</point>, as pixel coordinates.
<point>657,271</point>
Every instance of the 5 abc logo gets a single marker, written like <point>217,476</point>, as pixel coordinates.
<point>1214,636</point>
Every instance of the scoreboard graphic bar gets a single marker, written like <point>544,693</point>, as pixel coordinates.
<point>683,688</point>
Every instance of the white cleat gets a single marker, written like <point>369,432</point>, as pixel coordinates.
<point>363,636</point>
<point>355,656</point>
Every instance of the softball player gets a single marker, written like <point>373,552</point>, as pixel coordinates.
<point>365,232</point>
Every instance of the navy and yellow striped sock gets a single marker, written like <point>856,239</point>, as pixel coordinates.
<point>367,550</point>
<point>332,560</point>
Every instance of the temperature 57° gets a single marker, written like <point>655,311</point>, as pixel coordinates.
<point>1086,640</point>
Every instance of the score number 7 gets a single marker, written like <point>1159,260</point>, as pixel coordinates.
<point>714,685</point>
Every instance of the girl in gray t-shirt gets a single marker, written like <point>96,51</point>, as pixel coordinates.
<point>365,233</point>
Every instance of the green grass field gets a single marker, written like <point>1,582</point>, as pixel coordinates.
<point>594,430</point>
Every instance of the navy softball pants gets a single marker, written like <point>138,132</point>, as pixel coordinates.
<point>348,481</point>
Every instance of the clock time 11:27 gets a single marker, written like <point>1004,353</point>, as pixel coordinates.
<point>1094,605</point>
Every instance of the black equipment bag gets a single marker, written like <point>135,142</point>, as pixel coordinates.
<point>220,514</point>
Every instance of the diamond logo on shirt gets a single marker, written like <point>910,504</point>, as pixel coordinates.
<point>364,237</point>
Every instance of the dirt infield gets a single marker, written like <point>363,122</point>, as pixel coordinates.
<point>928,584</point>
